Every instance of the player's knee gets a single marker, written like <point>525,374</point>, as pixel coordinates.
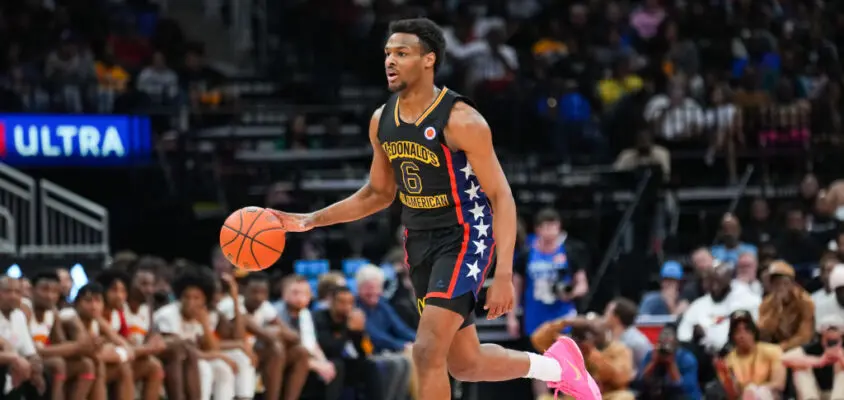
<point>277,351</point>
<point>428,354</point>
<point>462,370</point>
<point>87,366</point>
<point>297,353</point>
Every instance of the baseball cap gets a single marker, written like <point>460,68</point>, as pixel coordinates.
<point>671,270</point>
<point>780,267</point>
<point>742,316</point>
<point>836,277</point>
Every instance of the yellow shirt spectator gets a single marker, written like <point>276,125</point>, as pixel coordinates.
<point>611,90</point>
<point>758,366</point>
<point>111,77</point>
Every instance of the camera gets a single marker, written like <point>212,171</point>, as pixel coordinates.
<point>832,342</point>
<point>565,288</point>
<point>665,349</point>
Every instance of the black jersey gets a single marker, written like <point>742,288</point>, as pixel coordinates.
<point>437,186</point>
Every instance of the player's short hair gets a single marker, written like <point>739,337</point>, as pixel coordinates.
<point>370,273</point>
<point>547,215</point>
<point>626,311</point>
<point>107,278</point>
<point>91,289</point>
<point>429,33</point>
<point>197,277</point>
<point>150,264</point>
<point>328,283</point>
<point>45,276</point>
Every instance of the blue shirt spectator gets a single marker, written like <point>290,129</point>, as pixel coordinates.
<point>385,328</point>
<point>657,302</point>
<point>571,107</point>
<point>668,371</point>
<point>686,387</point>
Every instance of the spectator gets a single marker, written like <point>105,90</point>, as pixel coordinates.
<point>392,339</point>
<point>787,313</point>
<point>610,362</point>
<point>328,374</point>
<point>666,301</point>
<point>490,62</point>
<point>752,370</point>
<point>553,276</point>
<point>825,293</point>
<point>112,80</point>
<point>795,245</point>
<point>568,114</point>
<point>128,46</point>
<point>620,318</point>
<point>200,82</point>
<point>620,83</point>
<point>400,289</point>
<point>746,274</point>
<point>645,154</point>
<point>731,246</point>
<point>18,345</point>
<point>647,18</point>
<point>670,371</point>
<point>833,305</point>
<point>326,286</point>
<point>70,70</point>
<point>340,332</point>
<point>676,115</point>
<point>706,321</point>
<point>761,228</point>
<point>158,81</point>
<point>702,262</point>
<point>818,365</point>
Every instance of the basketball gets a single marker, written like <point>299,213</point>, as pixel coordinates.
<point>252,238</point>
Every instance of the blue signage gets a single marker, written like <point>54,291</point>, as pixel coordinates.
<point>74,140</point>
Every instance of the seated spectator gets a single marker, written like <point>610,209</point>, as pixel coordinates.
<point>391,337</point>
<point>328,374</point>
<point>199,81</point>
<point>786,315</point>
<point>825,293</point>
<point>731,246</point>
<point>795,245</point>
<point>620,320</point>
<point>326,285</point>
<point>702,262</point>
<point>675,115</point>
<point>833,305</point>
<point>69,71</point>
<point>340,331</point>
<point>622,82</point>
<point>761,228</point>
<point>706,321</point>
<point>400,289</point>
<point>128,46</point>
<point>752,370</point>
<point>112,80</point>
<point>746,274</point>
<point>645,154</point>
<point>669,371</point>
<point>158,81</point>
<point>666,301</point>
<point>610,362</point>
<point>819,366</point>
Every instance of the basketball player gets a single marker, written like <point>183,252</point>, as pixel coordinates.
<point>133,327</point>
<point>432,146</point>
<point>115,356</point>
<point>26,368</point>
<point>64,358</point>
<point>230,330</point>
<point>283,361</point>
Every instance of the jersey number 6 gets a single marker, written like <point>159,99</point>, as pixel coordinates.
<point>410,177</point>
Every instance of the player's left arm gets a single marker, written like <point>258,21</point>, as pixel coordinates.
<point>467,130</point>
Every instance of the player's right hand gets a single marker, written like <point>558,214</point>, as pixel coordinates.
<point>295,222</point>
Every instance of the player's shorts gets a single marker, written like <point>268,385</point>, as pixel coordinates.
<point>448,267</point>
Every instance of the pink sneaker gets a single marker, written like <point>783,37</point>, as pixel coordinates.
<point>575,380</point>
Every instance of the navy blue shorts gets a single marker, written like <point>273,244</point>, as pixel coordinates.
<point>448,267</point>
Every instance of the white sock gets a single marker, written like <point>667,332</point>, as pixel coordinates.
<point>543,368</point>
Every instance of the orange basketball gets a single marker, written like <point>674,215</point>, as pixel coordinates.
<point>252,238</point>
